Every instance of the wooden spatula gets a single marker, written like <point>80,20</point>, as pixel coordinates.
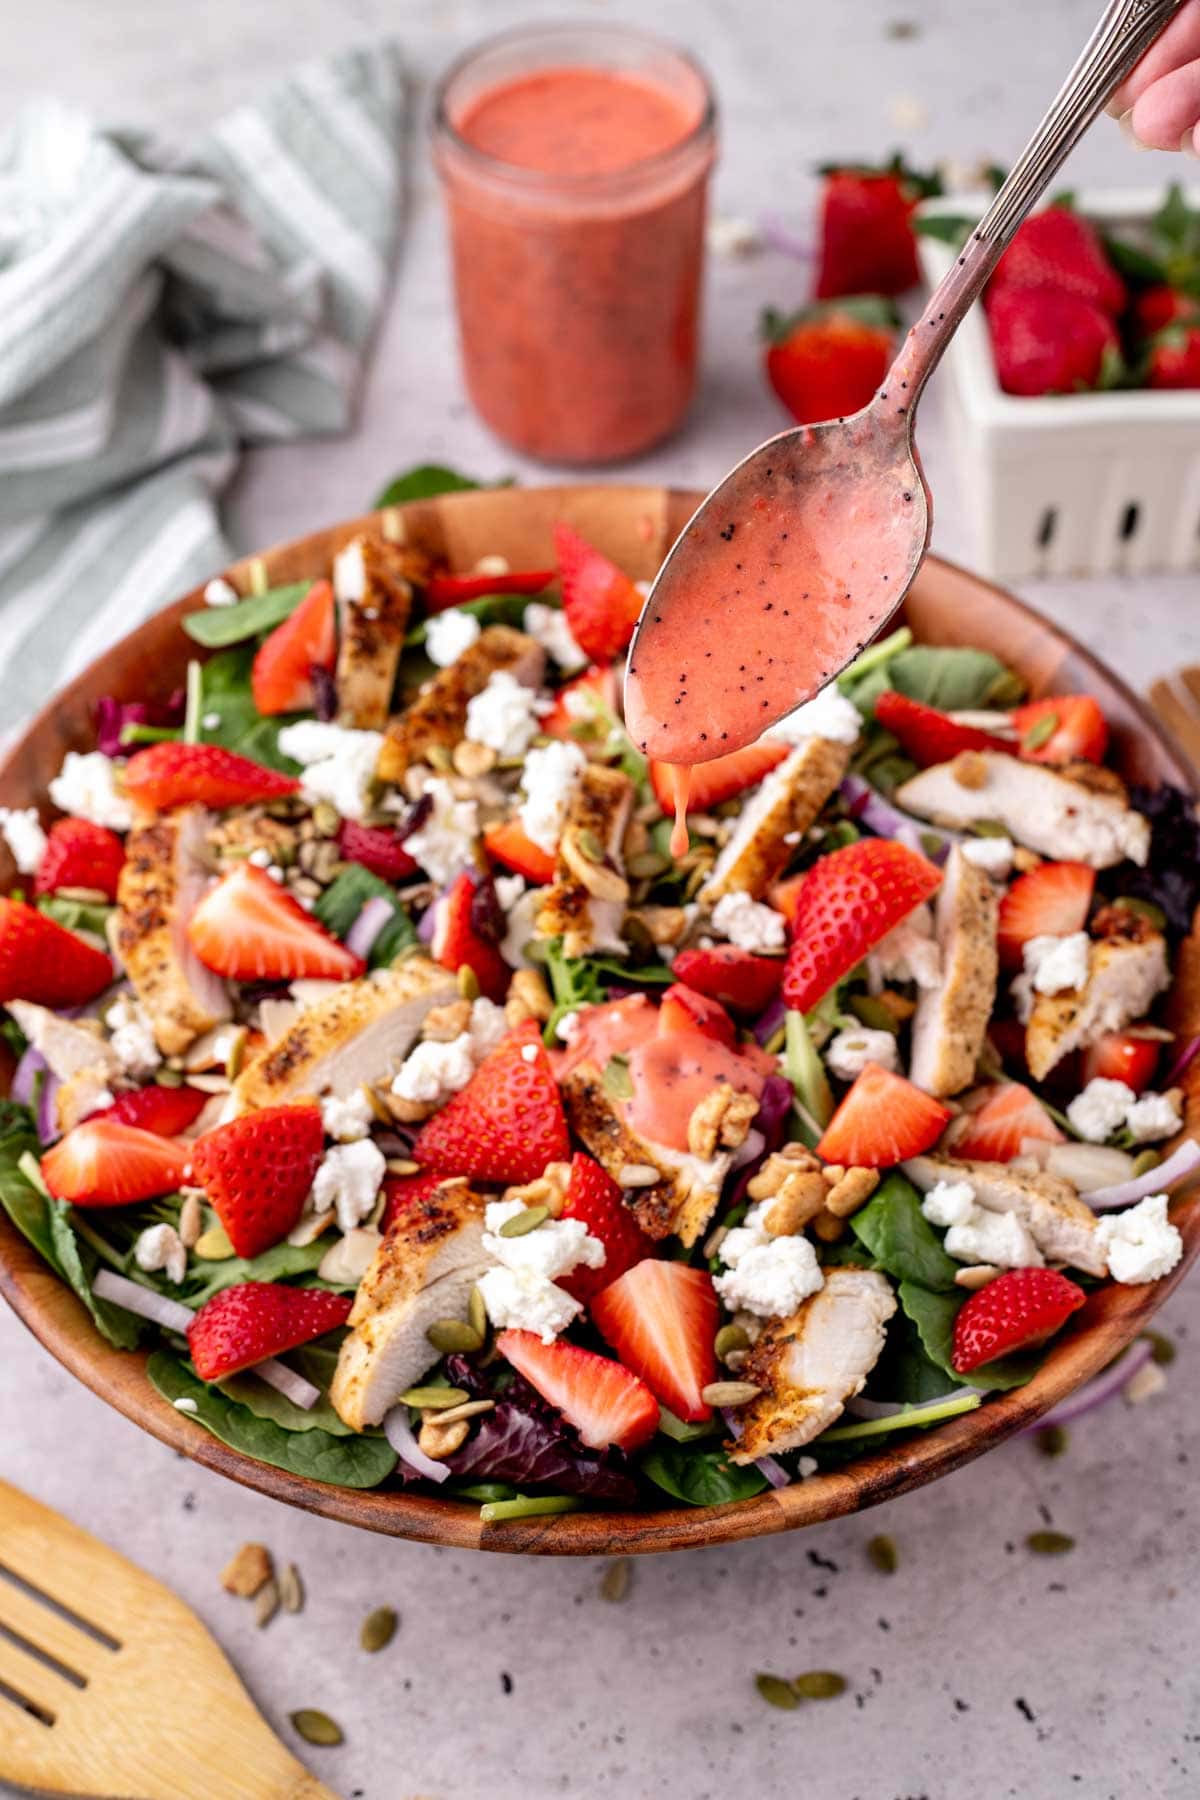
<point>110,1685</point>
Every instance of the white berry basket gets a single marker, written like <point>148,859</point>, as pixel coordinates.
<point>1082,484</point>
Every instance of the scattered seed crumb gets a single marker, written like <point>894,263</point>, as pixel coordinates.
<point>1026,1711</point>
<point>1051,1440</point>
<point>1049,1543</point>
<point>819,1684</point>
<point>291,1590</point>
<point>882,1555</point>
<point>378,1628</point>
<point>777,1692</point>
<point>266,1603</point>
<point>506,1681</point>
<point>614,1583</point>
<point>1149,1380</point>
<point>250,1570</point>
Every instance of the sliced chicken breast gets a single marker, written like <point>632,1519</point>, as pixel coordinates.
<point>1075,814</point>
<point>951,1019</point>
<point>808,1366</point>
<point>80,1095</point>
<point>361,1033</point>
<point>685,1197</point>
<point>82,1060</point>
<point>438,715</point>
<point>586,904</point>
<point>771,824</point>
<point>163,879</point>
<point>1061,1225</point>
<point>372,582</point>
<point>423,1271</point>
<point>1124,979</point>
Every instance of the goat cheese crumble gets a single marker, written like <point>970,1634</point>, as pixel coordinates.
<point>22,832</point>
<point>748,923</point>
<point>445,844</point>
<point>1151,1117</point>
<point>132,1042</point>
<point>848,1054</point>
<point>161,1247</point>
<point>976,1234</point>
<point>433,1071</point>
<point>348,1120</point>
<point>505,715</point>
<point>827,715</point>
<point>553,1248</point>
<point>1105,1107</point>
<point>548,625</point>
<point>219,592</point>
<point>449,634</point>
<point>949,1203</point>
<point>522,1300</point>
<point>548,782</point>
<point>1057,965</point>
<point>348,1181</point>
<point>764,1275</point>
<point>994,855</point>
<point>1141,1244</point>
<point>909,952</point>
<point>86,787</point>
<point>339,764</point>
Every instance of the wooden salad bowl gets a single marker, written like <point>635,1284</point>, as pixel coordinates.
<point>635,525</point>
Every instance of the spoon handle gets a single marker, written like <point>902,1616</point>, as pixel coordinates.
<point>1125,31</point>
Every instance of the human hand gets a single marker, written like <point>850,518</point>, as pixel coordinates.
<point>1159,104</point>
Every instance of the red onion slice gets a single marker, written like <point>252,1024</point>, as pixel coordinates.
<point>1105,1386</point>
<point>1186,1055</point>
<point>293,1387</point>
<point>399,1434</point>
<point>887,1409</point>
<point>888,821</point>
<point>24,1081</point>
<point>370,922</point>
<point>1155,1181</point>
<point>773,1471</point>
<point>148,1303</point>
<point>770,1021</point>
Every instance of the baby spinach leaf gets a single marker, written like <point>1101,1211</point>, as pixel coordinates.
<point>76,915</point>
<point>700,1477</point>
<point>354,1462</point>
<point>899,1237</point>
<point>77,1262</point>
<point>218,626</point>
<point>344,899</point>
<point>904,1372</point>
<point>228,715</point>
<point>577,981</point>
<point>268,1403</point>
<point>425,482</point>
<point>934,1316</point>
<point>279,1263</point>
<point>952,677</point>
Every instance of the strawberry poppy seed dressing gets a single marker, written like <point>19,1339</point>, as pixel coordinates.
<point>574,162</point>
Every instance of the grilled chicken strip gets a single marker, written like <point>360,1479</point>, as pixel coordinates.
<point>1061,1225</point>
<point>161,883</point>
<point>951,1020</point>
<point>685,1197</point>
<point>372,582</point>
<point>83,1062</point>
<point>766,833</point>
<point>1075,814</point>
<point>808,1366</point>
<point>587,902</point>
<point>438,715</point>
<point>1124,977</point>
<point>423,1271</point>
<point>360,1033</point>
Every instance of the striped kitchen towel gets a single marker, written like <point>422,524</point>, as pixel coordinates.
<point>158,309</point>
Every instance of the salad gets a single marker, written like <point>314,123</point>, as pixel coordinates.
<point>378,1066</point>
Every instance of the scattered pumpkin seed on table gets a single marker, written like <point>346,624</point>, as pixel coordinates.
<point>1050,1440</point>
<point>378,1628</point>
<point>316,1727</point>
<point>1050,1543</point>
<point>614,1584</point>
<point>881,1553</point>
<point>819,1684</point>
<point>291,1590</point>
<point>777,1692</point>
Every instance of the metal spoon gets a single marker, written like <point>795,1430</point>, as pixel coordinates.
<point>824,527</point>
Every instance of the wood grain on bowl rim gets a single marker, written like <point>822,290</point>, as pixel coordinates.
<point>636,526</point>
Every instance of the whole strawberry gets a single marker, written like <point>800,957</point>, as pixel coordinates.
<point>257,1171</point>
<point>1021,1308</point>
<point>246,1324</point>
<point>827,361</point>
<point>1057,248</point>
<point>1172,321</point>
<point>79,854</point>
<point>867,244</point>
<point>1048,341</point>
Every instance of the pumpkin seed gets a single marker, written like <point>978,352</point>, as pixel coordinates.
<point>470,1409</point>
<point>729,1339</point>
<point>378,1629</point>
<point>1146,1160</point>
<point>1049,1543</point>
<point>326,818</point>
<point>881,1554</point>
<point>257,577</point>
<point>729,1393</point>
<point>468,982</point>
<point>1051,1440</point>
<point>777,1692</point>
<point>617,1079</point>
<point>291,1590</point>
<point>477,1312</point>
<point>1147,908</point>
<point>647,864</point>
<point>168,1078</point>
<point>1162,1350</point>
<point>990,828</point>
<point>819,1684</point>
<point>874,1014</point>
<point>932,842</point>
<point>213,1245</point>
<point>524,1222</point>
<point>449,1335</point>
<point>266,1603</point>
<point>614,1583</point>
<point>237,1054</point>
<point>590,845</point>
<point>775,1043</point>
<point>1041,732</point>
<point>438,757</point>
<point>317,1727</point>
<point>433,1397</point>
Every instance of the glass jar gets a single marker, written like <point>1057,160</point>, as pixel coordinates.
<point>574,161</point>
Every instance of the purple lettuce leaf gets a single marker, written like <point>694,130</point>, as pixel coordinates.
<point>113,715</point>
<point>1171,877</point>
<point>771,1119</point>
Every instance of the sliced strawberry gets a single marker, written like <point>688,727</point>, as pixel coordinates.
<point>246,1324</point>
<point>164,1110</point>
<point>507,1123</point>
<point>850,900</point>
<point>79,854</point>
<point>459,943</point>
<point>718,780</point>
<point>249,928</point>
<point>784,896</point>
<point>507,843</point>
<point>1021,1308</point>
<point>930,736</point>
<point>404,1191</point>
<point>172,774</point>
<point>1122,1056</point>
<point>442,591</point>
<point>687,1009</point>
<point>661,1319</point>
<point>379,848</point>
<point>1000,1128</point>
<point>105,1163</point>
<point>593,1196</point>
<point>739,979</point>
<point>43,961</point>
<point>257,1171</point>
<point>881,1121</point>
<point>600,601</point>
<point>604,1402</point>
<point>1062,728</point>
<point>574,702</point>
<point>281,678</point>
<point>1051,901</point>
